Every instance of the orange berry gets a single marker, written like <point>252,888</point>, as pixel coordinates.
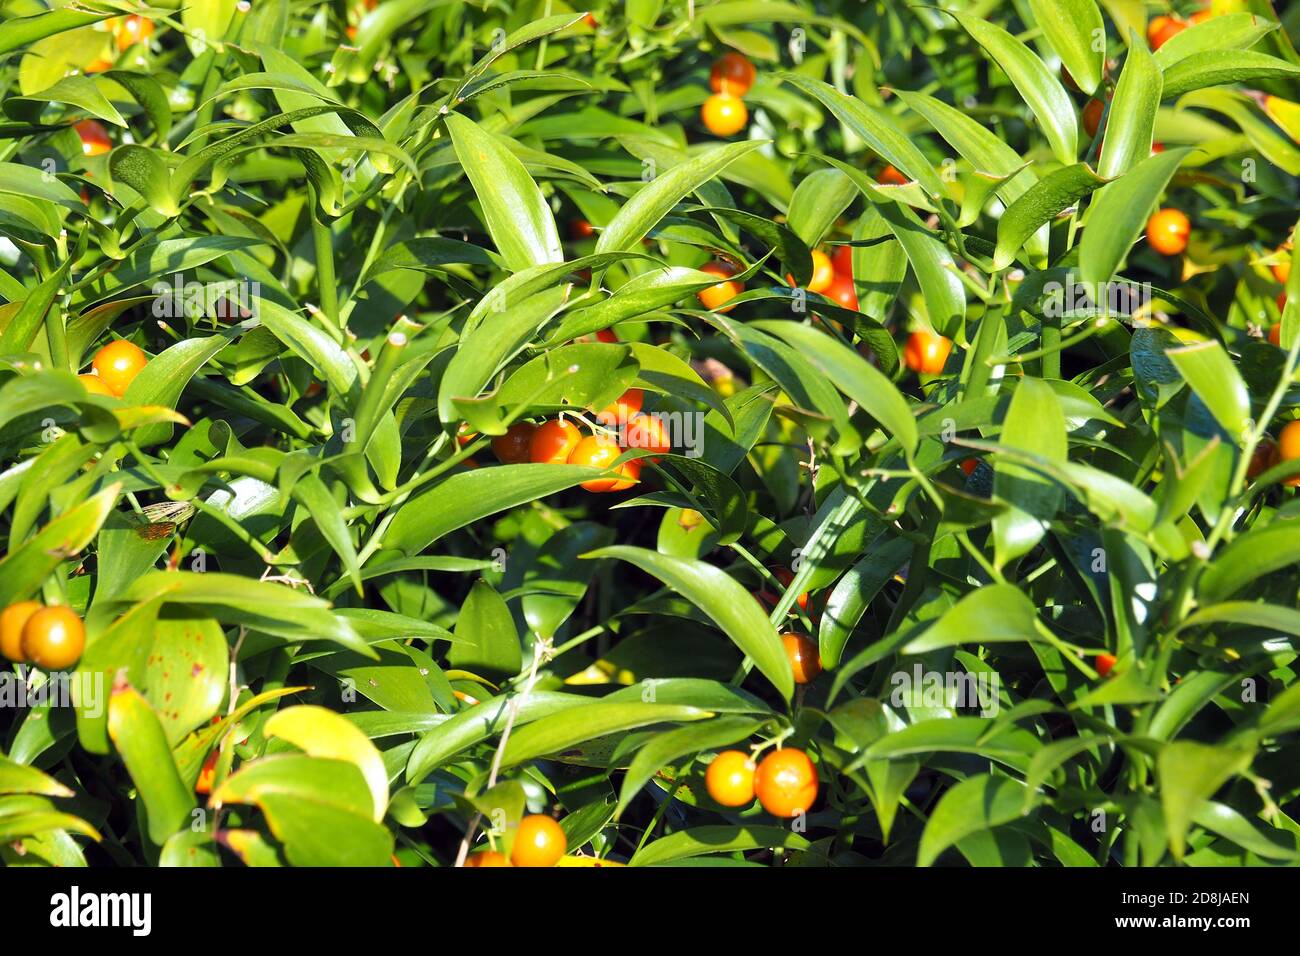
<point>1281,271</point>
<point>621,409</point>
<point>94,137</point>
<point>132,30</point>
<point>539,842</point>
<point>724,114</point>
<point>823,273</point>
<point>1162,29</point>
<point>1200,16</point>
<point>786,783</point>
<point>842,291</point>
<point>581,229</point>
<point>1092,111</point>
<point>99,65</point>
<point>463,434</point>
<point>12,620</point>
<point>487,858</point>
<point>93,385</point>
<point>1068,80</point>
<point>1167,231</point>
<point>842,260</point>
<point>714,297</point>
<point>515,446</point>
<point>804,658</point>
<point>729,779</point>
<point>732,73</point>
<point>608,336</point>
<point>968,465</point>
<point>598,451</point>
<point>785,577</point>
<point>117,364</point>
<point>1105,663</point>
<point>53,638</point>
<point>926,352</point>
<point>648,432</point>
<point>1288,448</point>
<point>553,442</point>
<point>1275,333</point>
<point>889,176</point>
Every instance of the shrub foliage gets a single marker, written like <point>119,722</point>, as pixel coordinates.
<point>997,529</point>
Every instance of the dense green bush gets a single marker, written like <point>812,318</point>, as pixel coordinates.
<point>338,606</point>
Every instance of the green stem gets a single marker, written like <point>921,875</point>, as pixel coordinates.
<point>325,281</point>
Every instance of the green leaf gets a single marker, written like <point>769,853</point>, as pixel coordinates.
<point>819,200</point>
<point>1223,67</point>
<point>207,21</point>
<point>474,725</point>
<point>138,736</point>
<point>153,259</point>
<point>1189,774</point>
<point>466,497</point>
<point>319,809</point>
<point>23,569</point>
<point>1224,32</point>
<point>145,171</point>
<point>326,514</point>
<point>556,580</point>
<point>259,605</point>
<point>516,214</point>
<point>17,778</point>
<point>854,592</point>
<point>1131,119</point>
<point>1040,204</point>
<point>1213,377</point>
<point>700,841</point>
<point>22,31</point>
<point>728,604</point>
<point>34,311</point>
<point>977,803</point>
<point>1282,714</point>
<point>878,129</point>
<point>664,748</point>
<point>653,201</point>
<point>1015,748</point>
<point>164,378</point>
<point>1072,28</point>
<point>486,630</point>
<point>82,92</point>
<point>1119,214</point>
<point>555,733</point>
<point>31,181</point>
<point>853,376</point>
<point>1043,92</point>
<point>995,613</point>
<point>1035,423</point>
<point>1223,820</point>
<point>319,732</point>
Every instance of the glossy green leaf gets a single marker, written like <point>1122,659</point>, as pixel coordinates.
<point>139,739</point>
<point>728,604</point>
<point>653,201</point>
<point>1043,92</point>
<point>716,839</point>
<point>1119,214</point>
<point>975,804</point>
<point>515,212</point>
<point>1072,27</point>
